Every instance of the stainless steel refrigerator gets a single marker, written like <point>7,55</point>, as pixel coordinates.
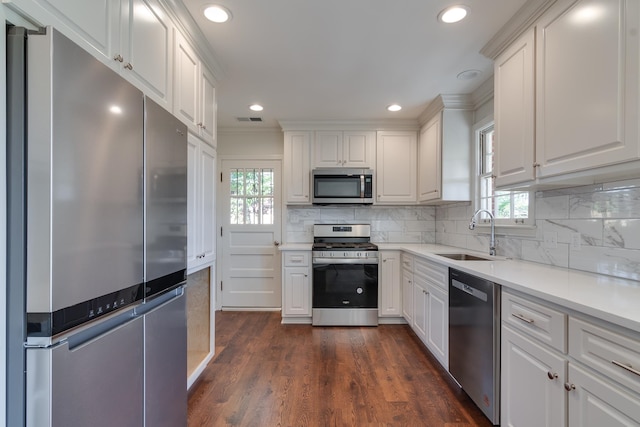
<point>96,259</point>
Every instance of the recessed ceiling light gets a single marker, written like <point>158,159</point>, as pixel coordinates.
<point>394,107</point>
<point>217,14</point>
<point>256,107</point>
<point>453,14</point>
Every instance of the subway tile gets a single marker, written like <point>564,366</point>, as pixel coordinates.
<point>623,263</point>
<point>536,252</point>
<point>622,233</point>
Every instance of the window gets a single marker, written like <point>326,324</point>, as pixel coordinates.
<point>508,207</point>
<point>251,196</point>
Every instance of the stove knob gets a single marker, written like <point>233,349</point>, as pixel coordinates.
<point>359,291</point>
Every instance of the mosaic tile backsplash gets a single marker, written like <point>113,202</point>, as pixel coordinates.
<point>605,216</point>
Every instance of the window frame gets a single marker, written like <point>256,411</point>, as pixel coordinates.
<point>483,221</point>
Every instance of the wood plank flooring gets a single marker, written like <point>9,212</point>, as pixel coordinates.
<point>268,374</point>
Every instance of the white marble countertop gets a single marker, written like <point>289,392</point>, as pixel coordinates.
<point>605,297</point>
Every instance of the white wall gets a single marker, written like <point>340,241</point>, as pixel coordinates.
<point>250,142</point>
<point>3,221</point>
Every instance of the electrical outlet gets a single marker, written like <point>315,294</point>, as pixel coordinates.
<point>550,239</point>
<point>576,241</point>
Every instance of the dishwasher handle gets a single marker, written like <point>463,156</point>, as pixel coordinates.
<point>474,292</point>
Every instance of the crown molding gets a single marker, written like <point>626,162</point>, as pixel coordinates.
<point>370,125</point>
<point>483,93</point>
<point>448,101</point>
<point>519,22</point>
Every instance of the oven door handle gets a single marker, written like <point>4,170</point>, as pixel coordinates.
<point>326,261</point>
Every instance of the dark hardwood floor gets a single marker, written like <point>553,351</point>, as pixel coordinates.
<point>268,374</point>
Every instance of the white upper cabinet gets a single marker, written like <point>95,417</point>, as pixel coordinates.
<point>514,85</point>
<point>133,37</point>
<point>444,158</point>
<point>351,149</point>
<point>567,96</point>
<point>297,146</point>
<point>396,167</point>
<point>587,85</point>
<point>194,97</point>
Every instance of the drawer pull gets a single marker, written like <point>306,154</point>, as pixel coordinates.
<point>569,387</point>
<point>552,375</point>
<point>521,317</point>
<point>626,367</point>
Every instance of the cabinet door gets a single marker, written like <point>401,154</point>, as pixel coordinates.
<point>207,106</point>
<point>358,149</point>
<point>430,161</point>
<point>438,324</point>
<point>514,112</point>
<point>407,296</point>
<point>296,167</point>
<point>596,402</point>
<point>297,292</point>
<point>146,49</point>
<point>390,290</point>
<point>327,150</point>
<point>396,170</point>
<point>207,194</point>
<point>185,100</point>
<point>587,85</point>
<point>531,383</point>
<point>93,24</point>
<point>420,307</point>
<point>193,201</point>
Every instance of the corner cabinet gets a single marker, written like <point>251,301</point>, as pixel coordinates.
<point>567,96</point>
<point>390,292</point>
<point>396,167</point>
<point>297,171</point>
<point>133,37</point>
<point>201,223</point>
<point>296,291</point>
<point>194,98</point>
<point>350,149</point>
<point>444,158</point>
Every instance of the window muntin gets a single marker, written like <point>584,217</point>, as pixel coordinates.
<point>252,196</point>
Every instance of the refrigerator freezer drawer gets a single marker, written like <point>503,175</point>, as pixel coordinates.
<point>96,383</point>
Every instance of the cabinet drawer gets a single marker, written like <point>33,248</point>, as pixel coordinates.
<point>436,273</point>
<point>613,354</point>
<point>296,259</point>
<point>407,261</point>
<point>539,321</point>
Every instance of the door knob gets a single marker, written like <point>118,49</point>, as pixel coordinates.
<point>276,243</point>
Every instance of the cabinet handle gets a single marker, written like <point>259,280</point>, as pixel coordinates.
<point>199,124</point>
<point>128,66</point>
<point>536,165</point>
<point>521,317</point>
<point>306,275</point>
<point>384,260</point>
<point>552,376</point>
<point>118,58</point>
<point>569,387</point>
<point>626,367</point>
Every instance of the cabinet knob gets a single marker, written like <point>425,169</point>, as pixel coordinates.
<point>128,66</point>
<point>569,387</point>
<point>118,58</point>
<point>305,275</point>
<point>277,243</point>
<point>552,375</point>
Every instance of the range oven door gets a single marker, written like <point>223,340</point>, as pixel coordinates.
<point>340,284</point>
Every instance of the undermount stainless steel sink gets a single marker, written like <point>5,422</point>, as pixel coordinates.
<point>465,257</point>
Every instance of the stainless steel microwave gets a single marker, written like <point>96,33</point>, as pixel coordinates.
<point>342,186</point>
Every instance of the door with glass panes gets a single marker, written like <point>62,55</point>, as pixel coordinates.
<point>251,228</point>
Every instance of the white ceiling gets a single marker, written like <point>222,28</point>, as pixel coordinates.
<point>344,59</point>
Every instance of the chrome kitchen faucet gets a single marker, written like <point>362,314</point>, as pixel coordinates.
<point>472,225</point>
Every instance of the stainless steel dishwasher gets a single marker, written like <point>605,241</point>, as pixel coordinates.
<point>474,339</point>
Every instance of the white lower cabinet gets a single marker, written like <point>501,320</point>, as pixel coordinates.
<point>390,299</point>
<point>407,295</point>
<point>531,383</point>
<point>296,295</point>
<point>437,339</point>
<point>420,307</point>
<point>596,383</point>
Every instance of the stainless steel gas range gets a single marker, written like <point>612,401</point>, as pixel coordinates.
<point>345,276</point>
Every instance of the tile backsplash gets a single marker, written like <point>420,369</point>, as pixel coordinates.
<point>395,224</point>
<point>597,229</point>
